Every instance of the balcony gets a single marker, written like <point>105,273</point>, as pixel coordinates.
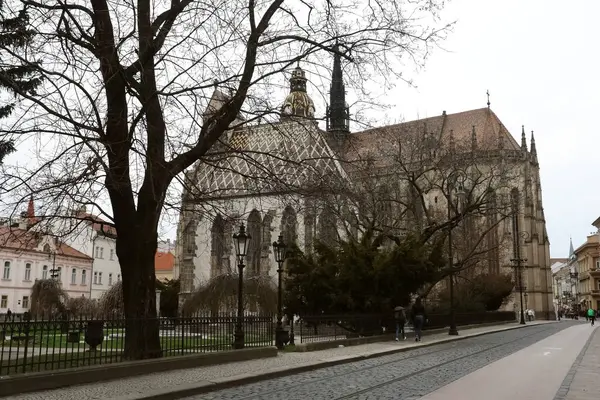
<point>595,293</point>
<point>595,273</point>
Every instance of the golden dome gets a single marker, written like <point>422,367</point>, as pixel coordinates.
<point>298,103</point>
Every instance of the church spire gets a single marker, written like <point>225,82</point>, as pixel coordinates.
<point>533,149</point>
<point>338,117</point>
<point>523,140</point>
<point>571,250</point>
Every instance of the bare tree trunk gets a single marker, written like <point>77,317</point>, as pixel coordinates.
<point>136,255</point>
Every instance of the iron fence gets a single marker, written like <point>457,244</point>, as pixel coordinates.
<point>30,345</point>
<point>332,327</point>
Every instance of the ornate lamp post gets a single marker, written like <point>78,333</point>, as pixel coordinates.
<point>240,240</point>
<point>279,249</point>
<point>453,331</point>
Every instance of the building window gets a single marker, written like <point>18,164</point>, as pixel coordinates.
<point>45,272</point>
<point>73,276</point>
<point>28,272</point>
<point>95,278</point>
<point>101,252</point>
<point>109,279</point>
<point>6,274</point>
<point>99,278</point>
<point>598,264</point>
<point>118,277</point>
<point>4,301</point>
<point>83,277</point>
<point>112,254</point>
<point>59,273</point>
<point>25,303</point>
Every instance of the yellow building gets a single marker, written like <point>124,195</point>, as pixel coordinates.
<point>588,270</point>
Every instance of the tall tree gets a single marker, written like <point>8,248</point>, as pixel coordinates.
<point>129,82</point>
<point>16,76</point>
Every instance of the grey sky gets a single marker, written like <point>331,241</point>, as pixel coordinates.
<point>540,62</point>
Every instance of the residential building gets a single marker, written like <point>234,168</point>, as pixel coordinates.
<point>292,199</point>
<point>27,255</point>
<point>588,273</point>
<point>163,265</point>
<point>96,238</point>
<point>560,282</point>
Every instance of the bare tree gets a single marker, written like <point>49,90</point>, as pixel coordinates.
<point>120,114</point>
<point>408,182</point>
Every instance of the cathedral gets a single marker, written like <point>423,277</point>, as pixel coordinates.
<point>274,176</point>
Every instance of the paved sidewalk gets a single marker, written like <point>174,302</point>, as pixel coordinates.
<point>582,382</point>
<point>534,373</point>
<point>155,384</point>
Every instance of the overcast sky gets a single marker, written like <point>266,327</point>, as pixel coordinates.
<point>540,62</point>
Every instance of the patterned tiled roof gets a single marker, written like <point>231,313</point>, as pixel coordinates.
<point>269,158</point>
<point>295,155</point>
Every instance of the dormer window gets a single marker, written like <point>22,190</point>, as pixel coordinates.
<point>47,248</point>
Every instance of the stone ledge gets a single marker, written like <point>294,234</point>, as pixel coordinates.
<point>331,344</point>
<point>39,381</point>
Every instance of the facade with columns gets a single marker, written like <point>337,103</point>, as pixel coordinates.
<point>275,175</point>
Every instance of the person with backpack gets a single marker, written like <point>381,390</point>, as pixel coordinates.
<point>591,314</point>
<point>400,317</point>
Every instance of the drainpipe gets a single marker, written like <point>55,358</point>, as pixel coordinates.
<point>93,262</point>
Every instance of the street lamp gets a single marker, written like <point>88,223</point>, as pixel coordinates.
<point>517,251</point>
<point>453,331</point>
<point>279,249</point>
<point>240,240</point>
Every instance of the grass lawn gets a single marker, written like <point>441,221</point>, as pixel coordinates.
<point>50,362</point>
<point>49,358</point>
<point>115,340</point>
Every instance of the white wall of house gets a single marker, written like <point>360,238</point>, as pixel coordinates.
<point>20,268</point>
<point>106,270</point>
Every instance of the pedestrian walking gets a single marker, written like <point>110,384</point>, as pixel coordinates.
<point>418,317</point>
<point>530,315</point>
<point>400,317</point>
<point>591,314</point>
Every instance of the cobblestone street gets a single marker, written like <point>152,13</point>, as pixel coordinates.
<point>409,375</point>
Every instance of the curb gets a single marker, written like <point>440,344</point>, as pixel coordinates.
<point>203,387</point>
<point>332,344</point>
<point>51,380</point>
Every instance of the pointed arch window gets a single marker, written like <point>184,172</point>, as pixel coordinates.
<point>254,246</point>
<point>217,248</point>
<point>289,223</point>
<point>327,230</point>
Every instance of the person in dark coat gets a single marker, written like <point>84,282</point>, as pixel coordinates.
<point>418,317</point>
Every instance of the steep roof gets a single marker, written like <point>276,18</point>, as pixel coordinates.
<point>98,224</point>
<point>164,261</point>
<point>23,240</point>
<point>489,132</point>
<point>269,158</point>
